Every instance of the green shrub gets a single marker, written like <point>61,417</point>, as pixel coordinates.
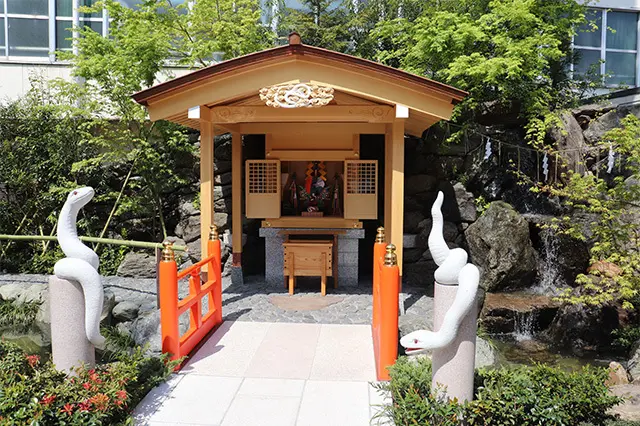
<point>34,392</point>
<point>538,395</point>
<point>18,315</point>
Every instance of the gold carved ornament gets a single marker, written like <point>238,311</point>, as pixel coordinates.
<point>296,95</point>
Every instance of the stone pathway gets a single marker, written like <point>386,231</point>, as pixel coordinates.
<point>265,373</point>
<point>257,301</point>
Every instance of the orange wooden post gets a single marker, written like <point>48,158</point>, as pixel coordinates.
<point>215,273</point>
<point>389,287</point>
<point>168,271</point>
<point>378,260</point>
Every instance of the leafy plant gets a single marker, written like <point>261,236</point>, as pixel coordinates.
<point>21,315</point>
<point>33,392</point>
<point>538,395</point>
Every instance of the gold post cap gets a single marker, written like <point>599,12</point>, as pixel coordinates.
<point>213,233</point>
<point>390,258</point>
<point>380,235</point>
<point>167,252</point>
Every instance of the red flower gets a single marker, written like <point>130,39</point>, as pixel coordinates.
<point>33,360</point>
<point>95,378</point>
<point>68,408</point>
<point>86,385</point>
<point>84,405</point>
<point>100,401</point>
<point>47,399</point>
<point>121,394</point>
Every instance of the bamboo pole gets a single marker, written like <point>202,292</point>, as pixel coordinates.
<point>127,243</point>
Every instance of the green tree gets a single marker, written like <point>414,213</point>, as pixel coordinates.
<point>511,55</point>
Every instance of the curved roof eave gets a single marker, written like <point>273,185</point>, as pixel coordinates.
<point>253,59</point>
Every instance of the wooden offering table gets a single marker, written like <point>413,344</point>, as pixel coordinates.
<point>308,258</point>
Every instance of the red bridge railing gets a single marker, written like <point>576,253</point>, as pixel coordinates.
<point>386,287</point>
<point>171,307</point>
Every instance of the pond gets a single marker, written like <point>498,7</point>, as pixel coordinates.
<point>515,351</point>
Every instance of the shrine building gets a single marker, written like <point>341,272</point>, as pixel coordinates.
<point>333,128</point>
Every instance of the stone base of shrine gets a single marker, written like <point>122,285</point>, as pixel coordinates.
<point>346,261</point>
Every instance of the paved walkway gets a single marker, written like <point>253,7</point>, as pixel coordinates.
<point>265,373</point>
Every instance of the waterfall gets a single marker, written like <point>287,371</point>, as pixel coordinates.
<point>524,325</point>
<point>549,271</point>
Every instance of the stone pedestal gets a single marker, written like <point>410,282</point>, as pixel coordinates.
<point>453,366</point>
<point>69,344</point>
<point>347,260</point>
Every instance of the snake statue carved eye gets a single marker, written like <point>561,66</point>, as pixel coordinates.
<point>75,192</point>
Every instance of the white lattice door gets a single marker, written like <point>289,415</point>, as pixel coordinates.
<point>361,189</point>
<point>262,189</point>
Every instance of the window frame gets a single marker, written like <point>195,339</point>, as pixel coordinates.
<point>603,48</point>
<point>52,19</point>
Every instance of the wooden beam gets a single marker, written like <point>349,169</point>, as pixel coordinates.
<point>329,128</point>
<point>308,154</point>
<point>329,113</point>
<point>394,197</point>
<point>236,201</point>
<point>206,178</point>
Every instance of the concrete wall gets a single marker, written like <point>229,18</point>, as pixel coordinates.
<point>15,76</point>
<point>616,4</point>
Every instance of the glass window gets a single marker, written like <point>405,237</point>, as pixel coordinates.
<point>624,30</point>
<point>587,61</point>
<point>621,68</point>
<point>1,6</point>
<point>587,35</point>
<point>2,36</point>
<point>28,37</point>
<point>64,33</point>
<point>29,7</point>
<point>65,8</point>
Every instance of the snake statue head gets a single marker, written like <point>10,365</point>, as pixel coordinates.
<point>81,196</point>
<point>453,270</point>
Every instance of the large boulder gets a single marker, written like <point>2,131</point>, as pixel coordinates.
<point>564,257</point>
<point>189,228</point>
<point>633,364</point>
<point>610,120</point>
<point>466,203</point>
<point>601,125</point>
<point>583,329</point>
<point>135,264</point>
<point>570,141</point>
<point>500,246</point>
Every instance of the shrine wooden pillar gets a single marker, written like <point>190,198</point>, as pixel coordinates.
<point>236,194</point>
<point>206,176</point>
<point>394,186</point>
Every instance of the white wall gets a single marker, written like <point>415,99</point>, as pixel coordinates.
<point>14,76</point>
<point>615,4</point>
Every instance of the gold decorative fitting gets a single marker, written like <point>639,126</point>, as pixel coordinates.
<point>390,258</point>
<point>213,232</point>
<point>167,252</point>
<point>296,95</point>
<point>380,235</point>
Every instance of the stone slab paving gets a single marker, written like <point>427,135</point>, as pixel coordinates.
<point>256,300</point>
<point>272,373</point>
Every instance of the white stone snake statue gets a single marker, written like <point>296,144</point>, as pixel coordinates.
<point>81,263</point>
<point>453,269</point>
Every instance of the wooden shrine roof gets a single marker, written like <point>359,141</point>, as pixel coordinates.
<point>356,81</point>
